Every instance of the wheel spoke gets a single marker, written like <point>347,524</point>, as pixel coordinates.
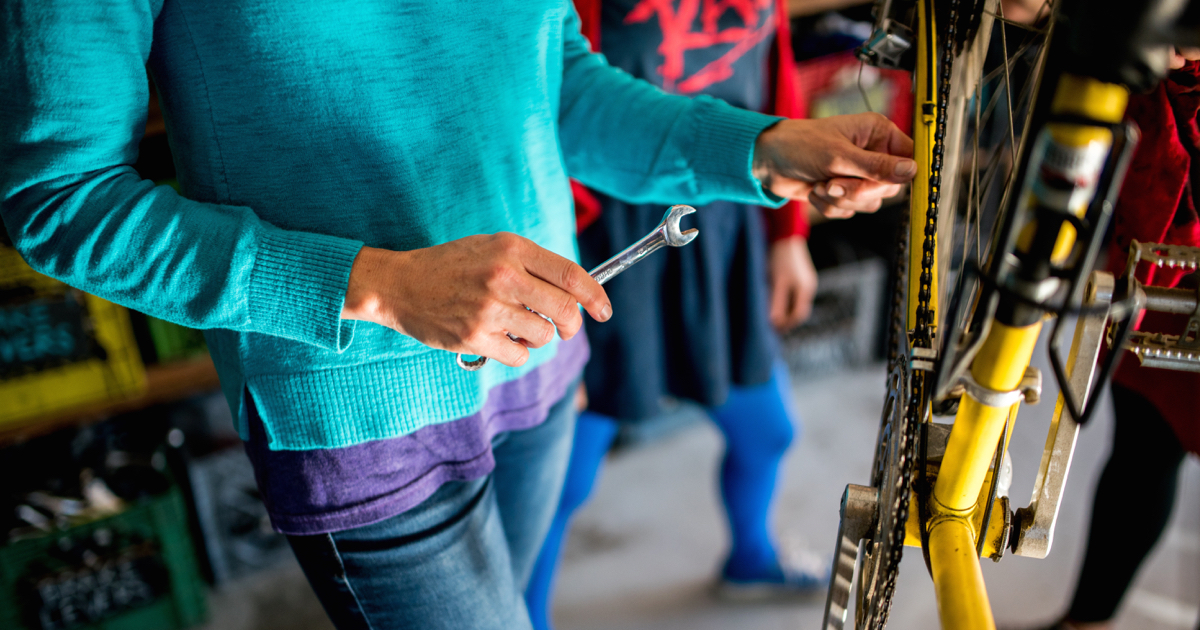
<point>1012,134</point>
<point>991,76</point>
<point>975,172</point>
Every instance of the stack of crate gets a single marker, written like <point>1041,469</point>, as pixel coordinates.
<point>135,570</point>
<point>60,348</point>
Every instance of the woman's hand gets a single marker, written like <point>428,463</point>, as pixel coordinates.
<point>793,282</point>
<point>841,165</point>
<point>467,295</point>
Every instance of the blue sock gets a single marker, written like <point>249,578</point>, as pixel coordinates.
<point>757,423</point>
<point>594,434</point>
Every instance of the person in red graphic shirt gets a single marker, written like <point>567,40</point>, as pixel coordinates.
<point>701,322</point>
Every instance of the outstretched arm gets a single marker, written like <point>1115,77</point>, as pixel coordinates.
<point>629,139</point>
<point>73,111</point>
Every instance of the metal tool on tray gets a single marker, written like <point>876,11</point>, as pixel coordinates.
<point>666,234</point>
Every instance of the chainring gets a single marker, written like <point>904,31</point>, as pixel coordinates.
<point>883,548</point>
<point>893,466</point>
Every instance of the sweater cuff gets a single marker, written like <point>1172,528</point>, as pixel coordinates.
<point>723,152</point>
<point>298,287</point>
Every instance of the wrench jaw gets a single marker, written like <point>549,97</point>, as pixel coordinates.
<point>685,237</point>
<point>472,365</point>
<point>670,226</point>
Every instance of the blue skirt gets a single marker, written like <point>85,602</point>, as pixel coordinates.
<point>687,322</point>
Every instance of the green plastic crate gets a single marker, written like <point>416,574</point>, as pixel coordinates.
<point>159,523</point>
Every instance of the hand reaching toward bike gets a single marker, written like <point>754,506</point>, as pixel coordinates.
<point>466,295</point>
<point>841,165</point>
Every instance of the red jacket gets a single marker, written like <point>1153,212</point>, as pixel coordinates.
<point>786,221</point>
<point>1157,205</point>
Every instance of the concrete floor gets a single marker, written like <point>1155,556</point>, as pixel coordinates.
<point>644,551</point>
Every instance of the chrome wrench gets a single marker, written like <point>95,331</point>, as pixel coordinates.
<point>666,234</point>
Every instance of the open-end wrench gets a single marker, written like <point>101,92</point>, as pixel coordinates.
<point>666,234</point>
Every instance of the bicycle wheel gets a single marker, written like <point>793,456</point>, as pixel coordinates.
<point>990,105</point>
<point>966,147</point>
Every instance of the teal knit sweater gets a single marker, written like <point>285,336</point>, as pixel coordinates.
<point>302,130</point>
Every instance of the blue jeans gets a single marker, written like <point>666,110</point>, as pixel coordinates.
<point>461,559</point>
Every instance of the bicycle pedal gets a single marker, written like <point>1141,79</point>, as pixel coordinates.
<point>1161,255</point>
<point>1159,350</point>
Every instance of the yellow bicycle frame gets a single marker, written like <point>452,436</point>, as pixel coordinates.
<point>956,505</point>
<point>924,125</point>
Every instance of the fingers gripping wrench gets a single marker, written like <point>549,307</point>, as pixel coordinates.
<point>667,233</point>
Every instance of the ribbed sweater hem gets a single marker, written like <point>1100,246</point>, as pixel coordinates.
<point>375,401</point>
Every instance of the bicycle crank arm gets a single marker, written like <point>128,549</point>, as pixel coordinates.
<point>859,506</point>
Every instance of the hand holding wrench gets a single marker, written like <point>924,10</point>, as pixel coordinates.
<point>667,233</point>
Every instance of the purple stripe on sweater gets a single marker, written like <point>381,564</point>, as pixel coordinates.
<point>328,490</point>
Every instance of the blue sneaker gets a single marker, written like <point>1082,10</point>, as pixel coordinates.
<point>780,583</point>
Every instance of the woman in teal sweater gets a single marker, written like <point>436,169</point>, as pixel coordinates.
<point>367,188</point>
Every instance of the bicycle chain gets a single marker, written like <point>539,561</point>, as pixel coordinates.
<point>922,329</point>
<point>897,358</point>
<point>923,333</point>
